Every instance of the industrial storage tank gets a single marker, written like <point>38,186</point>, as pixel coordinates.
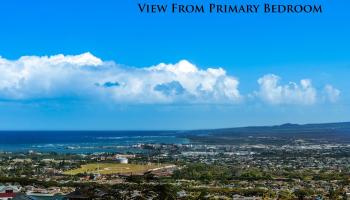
<point>121,160</point>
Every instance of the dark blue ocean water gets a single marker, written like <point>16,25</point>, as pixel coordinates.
<point>84,141</point>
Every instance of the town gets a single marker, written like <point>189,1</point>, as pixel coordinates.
<point>299,170</point>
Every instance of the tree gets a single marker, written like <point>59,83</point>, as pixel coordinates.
<point>166,192</point>
<point>300,194</point>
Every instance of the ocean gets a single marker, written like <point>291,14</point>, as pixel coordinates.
<point>84,141</point>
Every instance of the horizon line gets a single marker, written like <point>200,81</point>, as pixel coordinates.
<point>169,130</point>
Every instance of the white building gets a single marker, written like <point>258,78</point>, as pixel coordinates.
<point>122,160</point>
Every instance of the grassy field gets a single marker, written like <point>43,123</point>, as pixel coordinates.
<point>112,168</point>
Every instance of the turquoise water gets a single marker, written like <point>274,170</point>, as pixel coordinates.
<point>84,141</point>
<point>58,197</point>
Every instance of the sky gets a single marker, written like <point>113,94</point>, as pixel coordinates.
<point>103,65</point>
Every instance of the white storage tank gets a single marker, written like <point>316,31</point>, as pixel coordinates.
<point>121,160</point>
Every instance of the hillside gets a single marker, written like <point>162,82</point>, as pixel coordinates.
<point>324,133</point>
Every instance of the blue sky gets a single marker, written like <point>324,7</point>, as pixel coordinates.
<point>248,48</point>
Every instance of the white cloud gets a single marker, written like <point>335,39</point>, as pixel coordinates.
<point>331,94</point>
<point>34,77</point>
<point>292,93</point>
<point>304,93</point>
<point>86,76</point>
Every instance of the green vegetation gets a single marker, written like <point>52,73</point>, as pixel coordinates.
<point>112,168</point>
<point>204,172</point>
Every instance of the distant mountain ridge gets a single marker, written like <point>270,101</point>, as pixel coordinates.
<point>323,131</point>
<point>288,127</point>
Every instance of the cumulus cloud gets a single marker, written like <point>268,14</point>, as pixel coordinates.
<point>86,76</point>
<point>171,88</point>
<point>331,94</point>
<point>272,92</point>
<point>34,77</point>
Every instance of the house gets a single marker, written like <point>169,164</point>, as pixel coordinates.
<point>8,192</point>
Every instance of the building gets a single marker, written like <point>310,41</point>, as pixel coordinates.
<point>8,192</point>
<point>122,160</point>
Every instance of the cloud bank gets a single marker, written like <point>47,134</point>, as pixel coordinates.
<point>86,76</point>
<point>33,77</point>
